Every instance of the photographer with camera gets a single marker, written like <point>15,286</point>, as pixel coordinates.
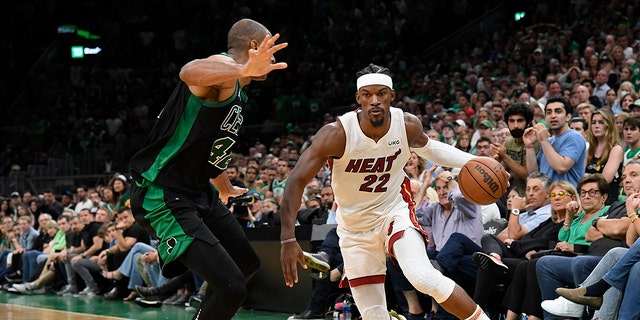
<point>247,208</point>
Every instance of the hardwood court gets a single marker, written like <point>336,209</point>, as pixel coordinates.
<point>15,312</point>
<point>45,307</point>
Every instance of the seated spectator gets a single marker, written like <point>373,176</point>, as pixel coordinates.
<point>87,267</point>
<point>8,243</point>
<point>608,288</point>
<point>523,294</point>
<point>498,260</point>
<point>603,234</point>
<point>126,233</point>
<point>48,273</point>
<point>74,245</point>
<point>26,240</point>
<point>535,208</point>
<point>128,268</point>
<point>92,242</point>
<point>29,257</point>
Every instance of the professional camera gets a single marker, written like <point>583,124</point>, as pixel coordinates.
<point>241,204</point>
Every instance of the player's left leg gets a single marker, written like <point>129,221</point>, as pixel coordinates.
<point>226,266</point>
<point>371,301</point>
<point>411,254</point>
<point>226,285</point>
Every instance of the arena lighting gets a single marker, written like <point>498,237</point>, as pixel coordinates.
<point>519,15</point>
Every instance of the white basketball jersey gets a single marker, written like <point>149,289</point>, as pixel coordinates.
<point>369,181</point>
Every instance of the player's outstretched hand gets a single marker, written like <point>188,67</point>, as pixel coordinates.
<point>261,60</point>
<point>290,255</point>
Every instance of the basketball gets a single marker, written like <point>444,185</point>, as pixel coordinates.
<point>483,180</point>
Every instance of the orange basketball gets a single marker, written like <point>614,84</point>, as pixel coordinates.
<point>483,180</point>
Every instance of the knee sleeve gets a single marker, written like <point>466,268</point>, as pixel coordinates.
<point>412,257</point>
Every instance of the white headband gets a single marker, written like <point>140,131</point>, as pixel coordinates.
<point>374,78</point>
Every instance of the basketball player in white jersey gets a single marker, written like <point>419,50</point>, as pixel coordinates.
<point>367,150</point>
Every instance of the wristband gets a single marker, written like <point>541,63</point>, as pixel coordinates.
<point>285,241</point>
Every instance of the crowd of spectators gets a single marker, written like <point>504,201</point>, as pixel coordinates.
<point>587,56</point>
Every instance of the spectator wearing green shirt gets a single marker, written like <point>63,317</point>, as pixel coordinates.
<point>48,273</point>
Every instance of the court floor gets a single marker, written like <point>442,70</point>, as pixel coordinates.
<point>45,307</point>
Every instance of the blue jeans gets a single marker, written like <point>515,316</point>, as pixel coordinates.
<point>627,270</point>
<point>558,272</point>
<point>128,267</point>
<point>153,272</point>
<point>3,262</point>
<point>29,263</point>
<point>611,299</point>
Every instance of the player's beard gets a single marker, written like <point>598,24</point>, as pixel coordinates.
<point>377,123</point>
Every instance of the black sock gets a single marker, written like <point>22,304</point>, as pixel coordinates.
<point>597,289</point>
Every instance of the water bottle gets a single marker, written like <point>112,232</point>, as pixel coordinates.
<point>346,309</point>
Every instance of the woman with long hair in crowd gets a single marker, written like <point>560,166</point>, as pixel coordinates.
<point>464,141</point>
<point>610,99</point>
<point>605,152</point>
<point>627,100</point>
<point>110,199</point>
<point>120,187</point>
<point>415,167</point>
<point>5,209</point>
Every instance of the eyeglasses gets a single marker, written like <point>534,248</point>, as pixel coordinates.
<point>591,193</point>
